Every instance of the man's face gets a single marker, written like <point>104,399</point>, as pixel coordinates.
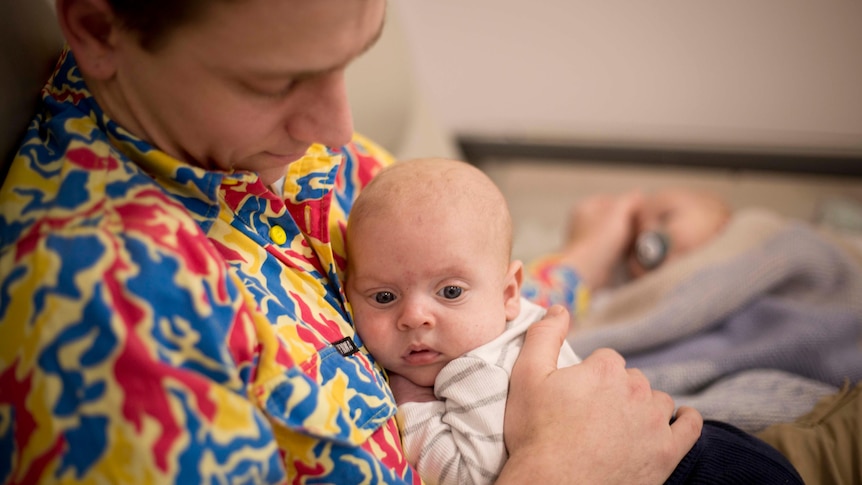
<point>250,86</point>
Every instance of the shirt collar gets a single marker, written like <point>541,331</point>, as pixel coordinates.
<point>309,180</point>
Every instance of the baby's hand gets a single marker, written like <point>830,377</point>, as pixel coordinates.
<point>601,230</point>
<point>406,391</point>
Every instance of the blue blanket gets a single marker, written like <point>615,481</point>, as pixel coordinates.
<point>752,330</point>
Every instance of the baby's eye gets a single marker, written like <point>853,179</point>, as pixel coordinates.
<point>384,297</point>
<point>450,292</point>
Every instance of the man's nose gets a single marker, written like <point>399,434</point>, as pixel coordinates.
<point>322,112</point>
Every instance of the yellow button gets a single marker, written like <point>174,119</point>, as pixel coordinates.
<point>277,234</point>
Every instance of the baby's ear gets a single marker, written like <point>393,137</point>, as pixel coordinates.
<point>512,289</point>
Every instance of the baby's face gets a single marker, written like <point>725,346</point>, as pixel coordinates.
<point>690,219</point>
<point>426,288</point>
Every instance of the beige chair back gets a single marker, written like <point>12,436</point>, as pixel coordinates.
<point>30,42</point>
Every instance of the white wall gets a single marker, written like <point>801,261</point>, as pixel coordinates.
<point>762,73</point>
<point>387,102</point>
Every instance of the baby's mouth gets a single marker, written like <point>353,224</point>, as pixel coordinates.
<point>420,356</point>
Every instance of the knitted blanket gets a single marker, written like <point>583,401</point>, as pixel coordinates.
<point>752,329</point>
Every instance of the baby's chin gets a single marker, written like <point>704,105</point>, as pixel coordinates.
<point>422,378</point>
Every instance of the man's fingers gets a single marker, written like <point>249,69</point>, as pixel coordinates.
<point>686,428</point>
<point>542,344</point>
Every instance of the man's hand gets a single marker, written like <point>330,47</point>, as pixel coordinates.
<point>405,390</point>
<point>595,422</point>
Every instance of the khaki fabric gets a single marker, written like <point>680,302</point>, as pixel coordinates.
<point>824,445</point>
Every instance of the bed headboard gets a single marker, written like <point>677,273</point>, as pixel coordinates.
<point>482,149</point>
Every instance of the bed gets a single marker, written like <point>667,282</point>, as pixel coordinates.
<point>753,328</point>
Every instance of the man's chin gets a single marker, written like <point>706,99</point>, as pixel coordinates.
<point>270,178</point>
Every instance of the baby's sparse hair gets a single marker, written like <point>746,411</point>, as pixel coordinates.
<point>425,183</point>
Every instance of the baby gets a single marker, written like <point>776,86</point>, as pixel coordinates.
<point>435,299</point>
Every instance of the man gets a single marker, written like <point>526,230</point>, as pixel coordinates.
<point>170,315</point>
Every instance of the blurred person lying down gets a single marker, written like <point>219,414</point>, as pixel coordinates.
<point>751,317</point>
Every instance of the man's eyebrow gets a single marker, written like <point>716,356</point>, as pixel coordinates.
<point>311,73</point>
<point>368,45</point>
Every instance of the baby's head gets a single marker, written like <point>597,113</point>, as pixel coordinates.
<point>429,275</point>
<point>686,219</point>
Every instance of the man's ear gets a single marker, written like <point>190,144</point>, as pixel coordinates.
<point>89,27</point>
<point>512,289</point>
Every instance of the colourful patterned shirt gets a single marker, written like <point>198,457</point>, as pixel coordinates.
<point>166,324</point>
